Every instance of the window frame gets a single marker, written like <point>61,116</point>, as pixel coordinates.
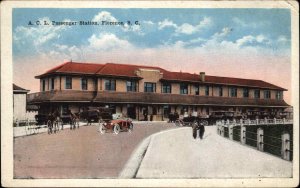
<point>206,90</point>
<point>166,87</point>
<point>110,84</point>
<point>232,91</point>
<point>267,94</point>
<point>133,87</point>
<point>152,86</point>
<point>182,90</point>
<point>197,89</point>
<point>52,83</point>
<point>86,83</point>
<point>245,92</point>
<point>43,85</point>
<point>279,95</point>
<point>68,78</point>
<point>220,91</point>
<point>257,93</point>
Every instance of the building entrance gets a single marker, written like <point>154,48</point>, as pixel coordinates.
<point>131,113</point>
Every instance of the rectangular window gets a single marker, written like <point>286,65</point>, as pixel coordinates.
<point>220,91</point>
<point>183,88</point>
<point>68,82</point>
<point>166,88</point>
<point>245,92</point>
<point>110,85</point>
<point>279,95</point>
<point>95,84</point>
<point>196,88</point>
<point>206,90</point>
<point>257,94</point>
<point>43,85</point>
<point>267,94</point>
<point>52,84</point>
<point>233,92</point>
<point>149,87</point>
<point>131,86</point>
<point>84,83</point>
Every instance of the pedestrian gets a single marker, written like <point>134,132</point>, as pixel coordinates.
<point>198,126</point>
<point>201,129</point>
<point>195,128</point>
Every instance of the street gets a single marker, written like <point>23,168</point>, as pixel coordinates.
<point>80,153</point>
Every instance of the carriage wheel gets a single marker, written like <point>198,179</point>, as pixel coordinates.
<point>117,129</point>
<point>101,128</point>
<point>178,123</point>
<point>130,128</point>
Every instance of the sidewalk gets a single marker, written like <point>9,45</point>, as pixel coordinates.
<point>27,130</point>
<point>175,154</point>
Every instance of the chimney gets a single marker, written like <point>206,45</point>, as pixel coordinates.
<point>202,76</point>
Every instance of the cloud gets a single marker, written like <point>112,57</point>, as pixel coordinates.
<point>149,22</point>
<point>247,24</point>
<point>107,41</point>
<point>252,40</point>
<point>185,28</point>
<point>37,35</point>
<point>104,16</point>
<point>282,39</point>
<point>220,35</point>
<point>133,28</point>
<point>166,23</point>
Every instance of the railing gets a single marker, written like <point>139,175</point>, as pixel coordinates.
<point>258,139</point>
<point>255,122</point>
<point>30,126</point>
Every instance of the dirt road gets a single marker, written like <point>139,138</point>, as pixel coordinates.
<point>83,153</point>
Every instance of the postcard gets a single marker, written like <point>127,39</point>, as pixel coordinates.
<point>139,93</point>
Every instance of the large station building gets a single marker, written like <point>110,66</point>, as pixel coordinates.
<point>135,90</point>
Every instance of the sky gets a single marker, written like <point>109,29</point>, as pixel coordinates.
<point>242,43</point>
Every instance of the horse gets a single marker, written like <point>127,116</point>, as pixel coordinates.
<point>50,121</point>
<point>56,121</point>
<point>74,121</point>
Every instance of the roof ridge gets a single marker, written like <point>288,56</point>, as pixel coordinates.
<point>86,63</point>
<point>126,64</point>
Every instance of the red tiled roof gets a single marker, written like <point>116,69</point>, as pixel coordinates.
<point>123,69</point>
<point>182,76</point>
<point>72,67</point>
<point>128,70</point>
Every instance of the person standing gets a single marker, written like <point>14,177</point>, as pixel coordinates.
<point>198,126</point>
<point>201,129</point>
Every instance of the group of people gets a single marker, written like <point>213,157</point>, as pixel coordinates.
<point>198,129</point>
